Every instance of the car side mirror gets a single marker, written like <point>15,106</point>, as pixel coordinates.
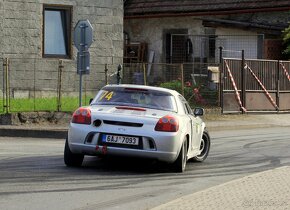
<point>91,99</point>
<point>198,112</point>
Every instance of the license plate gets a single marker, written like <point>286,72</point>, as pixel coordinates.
<point>130,140</point>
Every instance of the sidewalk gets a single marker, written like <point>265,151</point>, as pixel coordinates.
<point>265,190</point>
<point>247,121</point>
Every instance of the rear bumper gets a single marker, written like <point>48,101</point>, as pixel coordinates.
<point>96,150</point>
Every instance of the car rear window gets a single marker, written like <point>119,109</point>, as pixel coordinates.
<point>136,97</point>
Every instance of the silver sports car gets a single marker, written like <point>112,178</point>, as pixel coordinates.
<point>138,121</point>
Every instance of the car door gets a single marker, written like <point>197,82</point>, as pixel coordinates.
<point>195,128</point>
<point>198,130</point>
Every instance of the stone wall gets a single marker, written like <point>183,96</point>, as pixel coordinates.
<point>21,32</point>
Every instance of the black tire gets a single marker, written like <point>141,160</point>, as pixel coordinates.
<point>180,163</point>
<point>204,146</point>
<point>71,159</point>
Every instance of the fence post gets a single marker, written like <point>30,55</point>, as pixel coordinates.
<point>6,96</point>
<point>221,54</point>
<point>3,88</point>
<point>60,69</point>
<point>119,74</point>
<point>221,78</point>
<point>144,73</point>
<point>182,79</point>
<point>106,74</point>
<point>278,85</point>
<point>243,74</point>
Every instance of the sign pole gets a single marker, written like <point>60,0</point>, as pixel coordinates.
<point>80,95</point>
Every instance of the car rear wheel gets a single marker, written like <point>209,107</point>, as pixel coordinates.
<point>180,163</point>
<point>71,159</point>
<point>204,148</point>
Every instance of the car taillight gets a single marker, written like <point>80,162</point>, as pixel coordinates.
<point>167,124</point>
<point>82,116</point>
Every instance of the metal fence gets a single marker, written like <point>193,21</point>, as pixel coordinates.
<point>250,85</point>
<point>46,84</point>
<point>53,85</point>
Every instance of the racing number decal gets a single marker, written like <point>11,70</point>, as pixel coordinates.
<point>107,95</point>
<point>104,93</point>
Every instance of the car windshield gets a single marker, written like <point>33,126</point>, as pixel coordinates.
<point>135,97</point>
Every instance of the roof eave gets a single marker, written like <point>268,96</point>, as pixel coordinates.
<point>202,13</point>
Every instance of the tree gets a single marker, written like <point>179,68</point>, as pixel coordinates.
<point>286,42</point>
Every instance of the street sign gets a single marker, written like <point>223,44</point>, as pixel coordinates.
<point>83,63</point>
<point>83,38</point>
<point>83,34</point>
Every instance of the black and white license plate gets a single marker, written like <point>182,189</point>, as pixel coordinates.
<point>129,140</point>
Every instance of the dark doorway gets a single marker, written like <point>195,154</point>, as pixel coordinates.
<point>174,42</point>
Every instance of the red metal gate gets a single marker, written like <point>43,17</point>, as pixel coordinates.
<point>249,85</point>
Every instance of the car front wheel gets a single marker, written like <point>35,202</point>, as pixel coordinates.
<point>204,148</point>
<point>71,159</point>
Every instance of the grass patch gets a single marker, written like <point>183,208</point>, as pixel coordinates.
<point>68,104</point>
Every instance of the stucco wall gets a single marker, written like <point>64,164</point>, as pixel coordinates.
<point>151,31</point>
<point>21,33</point>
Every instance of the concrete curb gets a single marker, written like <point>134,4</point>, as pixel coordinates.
<point>33,133</point>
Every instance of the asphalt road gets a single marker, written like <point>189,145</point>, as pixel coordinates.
<point>33,175</point>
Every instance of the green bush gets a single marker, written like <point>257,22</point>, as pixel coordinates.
<point>195,95</point>
<point>176,85</point>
